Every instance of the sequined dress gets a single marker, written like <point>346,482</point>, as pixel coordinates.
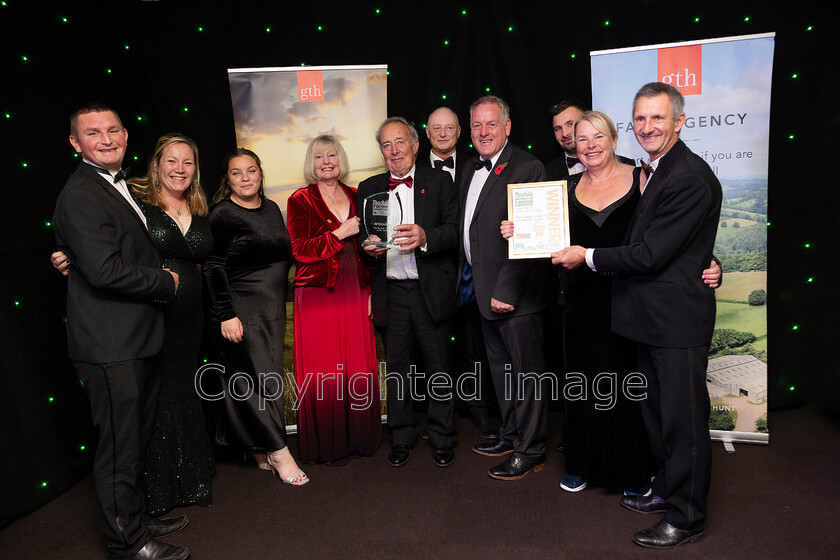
<point>179,458</point>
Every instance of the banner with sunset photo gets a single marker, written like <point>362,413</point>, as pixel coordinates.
<point>277,112</point>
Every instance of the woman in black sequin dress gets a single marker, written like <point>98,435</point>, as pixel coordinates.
<point>179,458</point>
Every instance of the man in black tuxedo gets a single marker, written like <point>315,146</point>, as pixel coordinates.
<point>660,300</point>
<point>413,288</point>
<point>443,131</point>
<point>511,294</point>
<point>564,115</point>
<point>115,327</point>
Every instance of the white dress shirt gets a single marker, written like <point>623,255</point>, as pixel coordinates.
<point>433,158</point>
<point>401,265</point>
<point>476,185</point>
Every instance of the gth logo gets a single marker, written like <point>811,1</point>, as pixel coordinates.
<point>682,67</point>
<point>310,86</point>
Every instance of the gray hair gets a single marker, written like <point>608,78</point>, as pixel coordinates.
<point>653,89</point>
<point>411,130</point>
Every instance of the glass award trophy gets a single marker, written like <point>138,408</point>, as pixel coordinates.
<point>375,215</point>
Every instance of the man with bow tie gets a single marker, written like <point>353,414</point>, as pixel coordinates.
<point>115,327</point>
<point>413,289</point>
<point>660,301</point>
<point>564,115</point>
<point>511,294</point>
<point>443,131</point>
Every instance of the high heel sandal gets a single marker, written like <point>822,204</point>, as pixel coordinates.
<point>289,479</point>
<point>262,465</point>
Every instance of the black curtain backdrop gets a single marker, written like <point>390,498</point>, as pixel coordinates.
<point>163,66</point>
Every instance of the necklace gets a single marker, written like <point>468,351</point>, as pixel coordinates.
<point>332,198</point>
<point>178,210</point>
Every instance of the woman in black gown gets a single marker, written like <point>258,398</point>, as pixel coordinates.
<point>605,438</point>
<point>247,275</point>
<point>179,459</point>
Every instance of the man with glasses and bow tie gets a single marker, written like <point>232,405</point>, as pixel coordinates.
<point>115,327</point>
<point>413,288</point>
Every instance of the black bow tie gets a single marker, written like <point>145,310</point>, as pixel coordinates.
<point>571,161</point>
<point>448,162</point>
<point>121,174</point>
<point>647,168</point>
<point>479,163</point>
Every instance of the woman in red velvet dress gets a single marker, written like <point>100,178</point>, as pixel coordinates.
<point>335,354</point>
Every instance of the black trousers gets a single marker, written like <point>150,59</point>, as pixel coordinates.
<point>409,321</point>
<point>122,402</point>
<point>514,350</point>
<point>676,415</point>
<point>471,356</point>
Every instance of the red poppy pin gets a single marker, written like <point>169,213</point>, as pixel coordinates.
<point>422,191</point>
<point>500,168</point>
<point>329,221</point>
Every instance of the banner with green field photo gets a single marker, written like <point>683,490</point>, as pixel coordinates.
<point>726,84</point>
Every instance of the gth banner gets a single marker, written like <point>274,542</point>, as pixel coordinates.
<point>726,84</point>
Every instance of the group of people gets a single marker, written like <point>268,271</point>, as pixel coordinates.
<point>634,290</point>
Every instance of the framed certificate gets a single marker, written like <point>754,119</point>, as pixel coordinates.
<point>540,216</point>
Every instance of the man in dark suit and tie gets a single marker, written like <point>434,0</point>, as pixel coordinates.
<point>115,327</point>
<point>443,131</point>
<point>413,288</point>
<point>511,294</point>
<point>661,302</point>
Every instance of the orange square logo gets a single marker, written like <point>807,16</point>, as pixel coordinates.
<point>310,86</point>
<point>682,67</point>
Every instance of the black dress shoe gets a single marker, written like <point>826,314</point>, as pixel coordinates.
<point>443,456</point>
<point>488,430</point>
<point>164,527</point>
<point>156,550</point>
<point>496,448</point>
<point>561,447</point>
<point>645,504</point>
<point>663,535</point>
<point>399,455</point>
<point>515,468</point>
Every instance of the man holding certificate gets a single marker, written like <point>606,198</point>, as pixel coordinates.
<point>511,294</point>
<point>411,219</point>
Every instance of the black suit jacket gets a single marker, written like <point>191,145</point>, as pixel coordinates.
<point>461,158</point>
<point>659,297</point>
<point>521,283</point>
<point>117,284</point>
<point>436,211</point>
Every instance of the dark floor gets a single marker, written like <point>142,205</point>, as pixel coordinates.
<point>776,501</point>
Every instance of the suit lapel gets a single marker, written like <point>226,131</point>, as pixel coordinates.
<point>493,178</point>
<point>112,191</point>
<point>419,194</point>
